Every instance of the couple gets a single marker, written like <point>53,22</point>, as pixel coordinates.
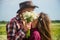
<point>17,28</point>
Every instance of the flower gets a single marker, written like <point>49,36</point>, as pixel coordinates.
<point>29,16</point>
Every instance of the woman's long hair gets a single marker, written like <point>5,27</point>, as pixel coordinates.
<point>43,25</point>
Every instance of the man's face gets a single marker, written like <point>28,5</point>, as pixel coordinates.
<point>28,9</point>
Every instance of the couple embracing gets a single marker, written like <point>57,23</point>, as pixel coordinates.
<point>27,27</point>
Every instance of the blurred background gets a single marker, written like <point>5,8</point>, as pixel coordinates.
<point>8,9</point>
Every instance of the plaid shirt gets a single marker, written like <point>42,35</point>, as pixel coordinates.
<point>15,29</point>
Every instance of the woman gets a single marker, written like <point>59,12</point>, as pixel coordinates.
<point>40,28</point>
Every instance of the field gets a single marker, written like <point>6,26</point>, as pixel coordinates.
<point>55,31</point>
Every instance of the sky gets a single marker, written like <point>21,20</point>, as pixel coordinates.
<point>8,8</point>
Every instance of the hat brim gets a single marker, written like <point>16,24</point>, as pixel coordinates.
<point>32,6</point>
<point>26,7</point>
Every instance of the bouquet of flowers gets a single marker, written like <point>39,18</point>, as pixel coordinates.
<point>29,16</point>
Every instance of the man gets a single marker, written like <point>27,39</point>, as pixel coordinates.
<point>15,28</point>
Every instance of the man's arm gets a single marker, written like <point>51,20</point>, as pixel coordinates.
<point>12,33</point>
<point>11,30</point>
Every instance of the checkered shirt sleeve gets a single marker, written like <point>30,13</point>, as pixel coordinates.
<point>12,33</point>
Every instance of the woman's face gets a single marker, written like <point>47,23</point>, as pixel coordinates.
<point>34,23</point>
<point>27,26</point>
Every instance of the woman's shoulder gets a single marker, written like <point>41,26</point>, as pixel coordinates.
<point>36,33</point>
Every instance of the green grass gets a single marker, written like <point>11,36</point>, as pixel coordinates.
<point>3,37</point>
<point>55,31</point>
<point>2,29</point>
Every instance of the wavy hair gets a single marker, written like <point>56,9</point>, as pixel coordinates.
<point>43,26</point>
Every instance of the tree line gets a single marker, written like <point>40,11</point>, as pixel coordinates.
<point>53,21</point>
